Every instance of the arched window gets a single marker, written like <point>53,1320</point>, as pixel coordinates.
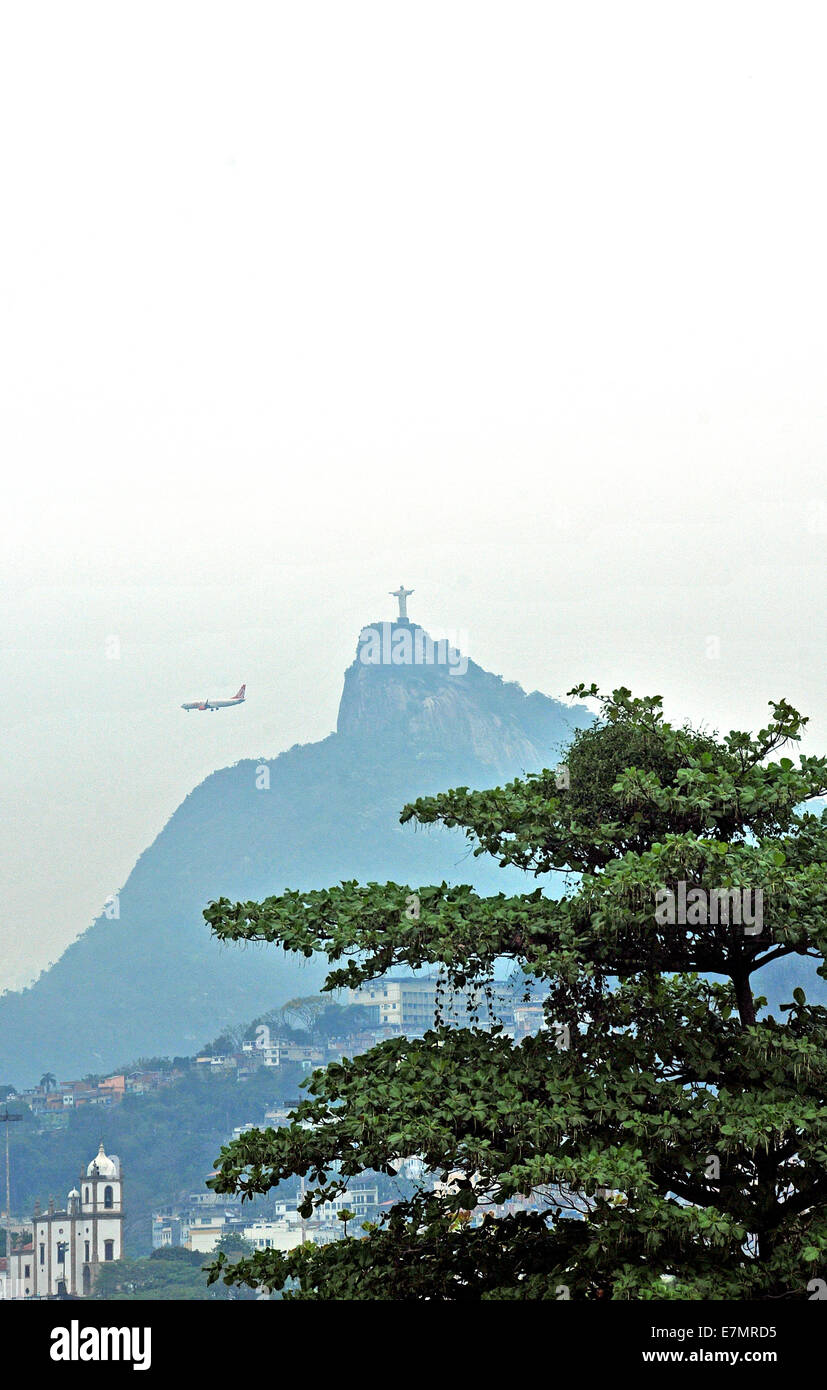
<point>86,1198</point>
<point>107,1197</point>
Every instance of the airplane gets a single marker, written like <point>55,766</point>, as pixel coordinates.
<point>237,699</point>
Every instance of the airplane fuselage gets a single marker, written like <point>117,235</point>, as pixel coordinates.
<point>218,704</point>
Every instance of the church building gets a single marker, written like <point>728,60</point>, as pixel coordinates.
<point>69,1246</point>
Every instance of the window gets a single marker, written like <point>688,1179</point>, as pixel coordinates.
<point>86,1251</point>
<point>86,1198</point>
<point>107,1197</point>
<point>27,1273</point>
<point>108,1249</point>
<point>43,1254</point>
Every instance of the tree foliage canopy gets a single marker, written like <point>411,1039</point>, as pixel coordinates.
<point>672,1133</point>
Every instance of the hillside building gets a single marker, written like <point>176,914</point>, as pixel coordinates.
<point>408,1004</point>
<point>69,1245</point>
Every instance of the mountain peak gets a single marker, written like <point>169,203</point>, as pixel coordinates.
<point>406,686</point>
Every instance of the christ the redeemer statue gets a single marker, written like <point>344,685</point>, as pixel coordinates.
<point>402,594</point>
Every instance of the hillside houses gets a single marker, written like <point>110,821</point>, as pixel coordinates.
<point>54,1099</point>
<point>393,1006</point>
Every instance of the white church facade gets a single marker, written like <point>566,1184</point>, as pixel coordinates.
<point>68,1247</point>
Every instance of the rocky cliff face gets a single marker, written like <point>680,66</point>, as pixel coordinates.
<point>431,696</point>
<point>154,982</point>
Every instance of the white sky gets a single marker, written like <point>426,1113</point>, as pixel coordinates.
<point>523,305</point>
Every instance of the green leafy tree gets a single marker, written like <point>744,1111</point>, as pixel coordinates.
<point>48,1082</point>
<point>228,1041</point>
<point>339,1019</point>
<point>234,1245</point>
<point>305,1012</point>
<point>167,1275</point>
<point>346,1216</point>
<point>669,1131</point>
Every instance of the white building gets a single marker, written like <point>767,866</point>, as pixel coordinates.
<point>68,1246</point>
<point>201,1232</point>
<point>16,1279</point>
<point>287,1234</point>
<point>413,1168</point>
<point>409,1004</point>
<point>362,1201</point>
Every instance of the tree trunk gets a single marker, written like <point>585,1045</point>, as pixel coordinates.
<point>743,993</point>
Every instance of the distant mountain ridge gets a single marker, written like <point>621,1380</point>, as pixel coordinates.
<point>153,981</point>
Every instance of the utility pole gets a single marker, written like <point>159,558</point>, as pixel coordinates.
<point>8,1119</point>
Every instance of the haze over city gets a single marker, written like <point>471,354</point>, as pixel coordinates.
<point>258,371</point>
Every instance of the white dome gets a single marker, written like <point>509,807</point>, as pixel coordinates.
<point>101,1166</point>
<point>73,1193</point>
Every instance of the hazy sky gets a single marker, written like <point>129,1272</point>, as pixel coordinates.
<point>523,305</point>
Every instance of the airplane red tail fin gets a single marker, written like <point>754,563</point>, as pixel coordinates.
<point>240,694</point>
